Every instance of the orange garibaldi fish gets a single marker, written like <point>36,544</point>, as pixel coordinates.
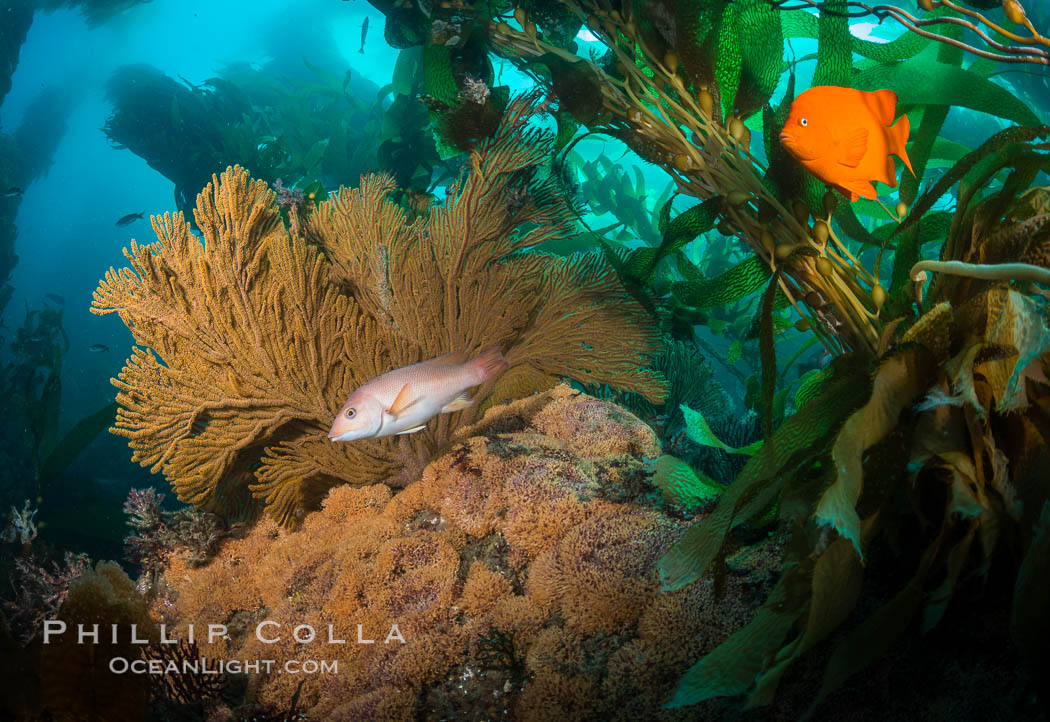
<point>845,137</point>
<point>402,401</point>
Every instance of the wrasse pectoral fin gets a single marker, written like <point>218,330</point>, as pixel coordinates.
<point>404,399</point>
<point>413,430</point>
<point>460,402</point>
<point>854,146</point>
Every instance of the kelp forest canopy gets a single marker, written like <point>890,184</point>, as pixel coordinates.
<point>930,301</point>
<point>893,352</point>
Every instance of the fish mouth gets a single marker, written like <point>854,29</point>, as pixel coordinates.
<point>785,138</point>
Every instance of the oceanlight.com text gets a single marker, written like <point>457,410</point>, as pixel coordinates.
<point>123,665</point>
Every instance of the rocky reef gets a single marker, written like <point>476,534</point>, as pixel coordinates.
<point>520,572</point>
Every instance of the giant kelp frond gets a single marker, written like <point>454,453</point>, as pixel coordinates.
<point>254,337</point>
<point>963,394</point>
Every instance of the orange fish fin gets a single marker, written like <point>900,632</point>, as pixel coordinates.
<point>891,173</point>
<point>859,189</point>
<point>402,401</point>
<point>854,146</point>
<point>460,402</point>
<point>898,136</point>
<point>883,103</point>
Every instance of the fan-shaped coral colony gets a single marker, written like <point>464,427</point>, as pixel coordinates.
<point>382,395</point>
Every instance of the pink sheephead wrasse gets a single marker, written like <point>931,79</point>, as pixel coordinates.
<point>402,401</point>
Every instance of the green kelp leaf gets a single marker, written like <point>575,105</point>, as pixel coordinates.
<point>803,24</point>
<point>846,217</point>
<point>639,264</point>
<point>314,156</point>
<point>689,270</point>
<point>762,47</point>
<point>738,282</point>
<point>801,437</point>
<point>735,352</point>
<point>682,485</point>
<point>994,144</point>
<point>934,227</point>
<point>767,354</point>
<point>872,638</point>
<point>1029,622</point>
<point>74,442</point>
<point>944,149</point>
<point>835,45</point>
<point>731,667</point>
<point>694,24</point>
<point>687,225</point>
<point>836,585</point>
<point>908,45</point>
<point>799,24</point>
<point>438,80</point>
<point>567,127</point>
<point>809,385</point>
<point>1026,167</point>
<point>697,429</point>
<point>898,383</point>
<point>908,246</point>
<point>664,217</point>
<point>773,120</point>
<point>922,143</point>
<point>406,70</point>
<point>919,81</point>
<point>730,58</point>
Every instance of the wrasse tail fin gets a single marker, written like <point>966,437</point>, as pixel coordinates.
<point>898,136</point>
<point>460,402</point>
<point>490,364</point>
<point>402,401</point>
<point>413,430</point>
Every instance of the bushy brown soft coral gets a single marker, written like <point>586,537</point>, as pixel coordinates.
<point>252,337</point>
<point>78,682</point>
<point>599,575</point>
<point>518,586</point>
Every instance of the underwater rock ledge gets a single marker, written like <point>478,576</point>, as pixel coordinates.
<point>520,571</point>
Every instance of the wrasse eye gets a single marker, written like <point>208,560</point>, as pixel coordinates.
<point>804,122</point>
<point>350,412</point>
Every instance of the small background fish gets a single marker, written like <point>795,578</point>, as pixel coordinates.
<point>402,401</point>
<point>130,218</point>
<point>845,137</point>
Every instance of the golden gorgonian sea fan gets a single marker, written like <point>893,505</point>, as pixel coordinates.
<point>250,338</point>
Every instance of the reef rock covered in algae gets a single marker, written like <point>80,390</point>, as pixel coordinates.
<point>520,571</point>
<point>253,335</point>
